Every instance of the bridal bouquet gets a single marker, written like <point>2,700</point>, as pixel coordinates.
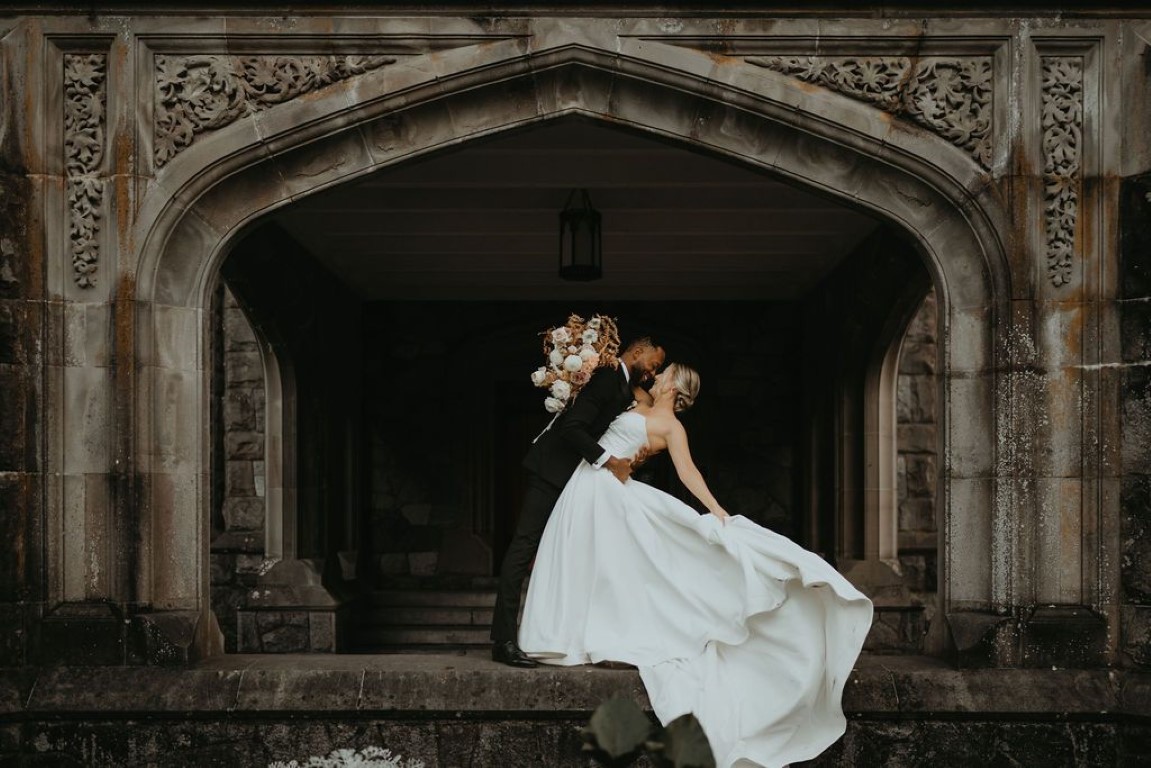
<point>574,350</point>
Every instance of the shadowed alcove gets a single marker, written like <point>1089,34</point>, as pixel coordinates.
<point>395,320</point>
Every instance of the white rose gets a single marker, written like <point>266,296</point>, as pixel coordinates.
<point>590,336</point>
<point>539,375</point>
<point>573,363</point>
<point>593,323</point>
<point>561,390</point>
<point>553,406</point>
<point>556,357</point>
<point>587,352</point>
<point>561,336</point>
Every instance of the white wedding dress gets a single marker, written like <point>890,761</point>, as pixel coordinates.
<point>750,632</point>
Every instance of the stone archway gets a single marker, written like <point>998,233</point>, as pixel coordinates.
<point>212,191</point>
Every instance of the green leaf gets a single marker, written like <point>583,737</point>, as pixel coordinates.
<point>617,732</point>
<point>682,744</point>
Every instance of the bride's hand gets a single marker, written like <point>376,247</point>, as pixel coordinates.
<point>721,513</point>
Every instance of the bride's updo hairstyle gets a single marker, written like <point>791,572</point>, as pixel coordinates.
<point>686,382</point>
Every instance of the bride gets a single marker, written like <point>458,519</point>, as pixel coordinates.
<point>725,619</point>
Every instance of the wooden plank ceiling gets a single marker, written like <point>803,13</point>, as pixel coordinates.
<point>480,221</point>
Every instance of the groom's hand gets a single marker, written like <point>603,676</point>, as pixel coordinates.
<point>621,468</point>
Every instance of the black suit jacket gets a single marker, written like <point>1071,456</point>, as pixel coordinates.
<point>575,434</point>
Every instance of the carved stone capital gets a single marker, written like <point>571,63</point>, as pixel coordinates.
<point>198,94</point>
<point>949,95</point>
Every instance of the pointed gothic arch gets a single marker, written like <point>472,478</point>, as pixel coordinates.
<point>208,196</point>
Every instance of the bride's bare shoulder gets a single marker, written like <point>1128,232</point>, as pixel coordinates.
<point>663,424</point>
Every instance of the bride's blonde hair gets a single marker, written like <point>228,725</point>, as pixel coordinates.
<point>686,382</point>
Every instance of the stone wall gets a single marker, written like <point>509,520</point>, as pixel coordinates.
<point>455,711</point>
<point>917,467</point>
<point>1134,383</point>
<point>21,416</point>
<point>237,555</point>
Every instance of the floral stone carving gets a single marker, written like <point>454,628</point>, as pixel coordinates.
<point>85,78</point>
<point>1062,125</point>
<point>950,96</point>
<point>195,94</point>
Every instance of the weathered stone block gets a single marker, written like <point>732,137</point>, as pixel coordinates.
<point>249,563</point>
<point>1136,425</point>
<point>896,630</point>
<point>15,331</point>
<point>916,399</point>
<point>222,568</point>
<point>919,359</point>
<point>921,475</point>
<point>20,500</point>
<point>244,514</point>
<point>82,634</point>
<point>1136,629</point>
<point>1135,237</point>
<point>237,330</point>
<point>1135,524</point>
<point>14,626</point>
<point>244,445</point>
<point>922,327</point>
<point>1066,637</point>
<point>917,515</point>
<point>14,407</point>
<point>982,639</point>
<point>243,367</point>
<point>258,409</point>
<point>916,438</point>
<point>240,479</point>
<point>918,572</point>
<point>239,411</point>
<point>322,632</point>
<point>285,639</point>
<point>247,633</point>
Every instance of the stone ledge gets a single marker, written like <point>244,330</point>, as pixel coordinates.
<point>471,684</point>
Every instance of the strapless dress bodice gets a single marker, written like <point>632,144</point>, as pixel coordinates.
<point>625,435</point>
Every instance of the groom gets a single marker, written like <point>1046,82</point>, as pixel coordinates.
<point>550,462</point>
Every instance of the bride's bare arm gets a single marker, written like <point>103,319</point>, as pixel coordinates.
<point>689,474</point>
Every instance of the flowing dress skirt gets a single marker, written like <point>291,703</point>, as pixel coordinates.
<point>750,632</point>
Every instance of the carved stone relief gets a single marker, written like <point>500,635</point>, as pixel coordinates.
<point>196,94</point>
<point>1062,124</point>
<point>950,96</point>
<point>84,104</point>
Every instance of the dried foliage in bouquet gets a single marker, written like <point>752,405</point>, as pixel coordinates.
<point>574,350</point>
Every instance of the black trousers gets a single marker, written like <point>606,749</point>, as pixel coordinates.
<point>539,498</point>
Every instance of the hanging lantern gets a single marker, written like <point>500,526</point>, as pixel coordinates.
<point>581,246</point>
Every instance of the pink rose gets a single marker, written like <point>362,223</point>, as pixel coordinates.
<point>580,377</point>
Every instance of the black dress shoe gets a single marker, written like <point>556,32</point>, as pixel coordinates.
<point>509,653</point>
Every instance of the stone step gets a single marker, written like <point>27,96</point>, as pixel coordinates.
<point>455,598</point>
<point>415,636</point>
<point>426,615</point>
<point>439,582</point>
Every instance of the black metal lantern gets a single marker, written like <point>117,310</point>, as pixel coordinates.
<point>581,246</point>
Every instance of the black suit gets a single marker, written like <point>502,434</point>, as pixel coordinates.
<point>549,464</point>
